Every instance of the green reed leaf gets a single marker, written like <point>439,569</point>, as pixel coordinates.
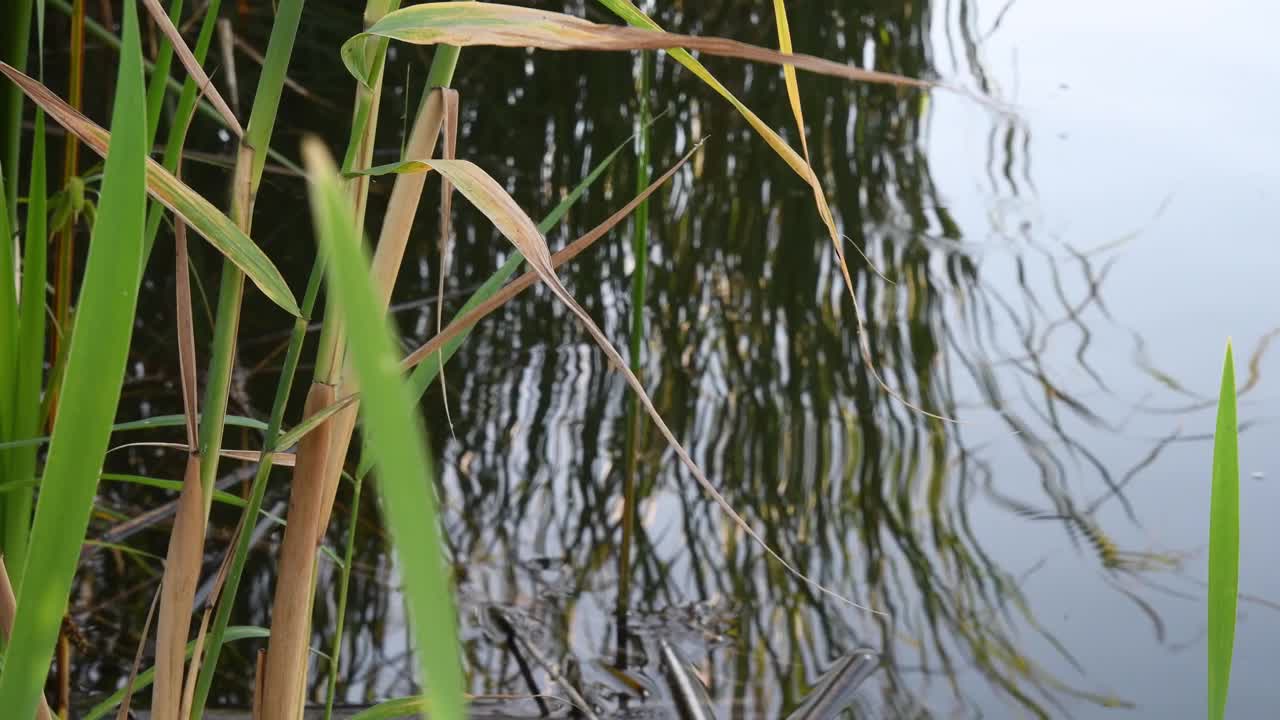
<point>95,374</point>
<point>394,436</point>
<point>1224,543</point>
<point>29,368</point>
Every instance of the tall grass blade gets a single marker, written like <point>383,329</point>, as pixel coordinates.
<point>344,585</point>
<point>15,39</point>
<point>8,319</point>
<point>635,424</point>
<point>184,557</point>
<point>199,213</point>
<point>395,437</point>
<point>95,373</point>
<point>29,371</point>
<point>163,59</point>
<point>1224,543</point>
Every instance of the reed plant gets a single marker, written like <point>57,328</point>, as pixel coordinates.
<point>357,378</point>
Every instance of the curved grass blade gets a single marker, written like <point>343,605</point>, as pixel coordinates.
<point>490,199</point>
<point>1224,543</point>
<point>159,421</point>
<point>466,24</point>
<point>199,213</point>
<point>394,436</point>
<point>219,496</point>
<point>95,374</point>
<point>146,677</point>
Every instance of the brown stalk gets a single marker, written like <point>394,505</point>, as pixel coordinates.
<point>259,669</point>
<point>8,609</point>
<point>184,557</point>
<point>285,668</point>
<point>177,595</point>
<point>322,452</point>
<point>402,208</point>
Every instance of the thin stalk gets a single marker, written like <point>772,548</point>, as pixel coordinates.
<point>70,168</point>
<point>16,38</point>
<point>640,250</point>
<point>240,552</point>
<point>335,653</point>
<point>29,368</point>
<point>247,175</point>
<point>318,467</point>
<point>160,73</point>
<point>391,244</point>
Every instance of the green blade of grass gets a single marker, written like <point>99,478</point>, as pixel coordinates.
<point>395,708</point>
<point>160,74</point>
<point>146,677</point>
<point>15,38</point>
<point>159,421</point>
<point>394,436</point>
<point>1224,543</point>
<point>8,317</point>
<point>29,371</point>
<point>95,374</point>
<point>174,485</point>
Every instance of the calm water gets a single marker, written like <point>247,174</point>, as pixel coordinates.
<point>1065,277</point>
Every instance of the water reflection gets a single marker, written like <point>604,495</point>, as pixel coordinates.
<point>752,357</point>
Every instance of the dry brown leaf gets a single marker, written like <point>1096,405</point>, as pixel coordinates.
<point>525,281</point>
<point>183,562</point>
<point>191,64</point>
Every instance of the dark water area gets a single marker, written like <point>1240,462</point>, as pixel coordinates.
<point>1062,278</point>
